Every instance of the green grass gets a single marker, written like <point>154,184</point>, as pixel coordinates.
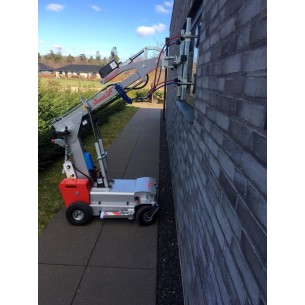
<point>66,83</point>
<point>49,197</point>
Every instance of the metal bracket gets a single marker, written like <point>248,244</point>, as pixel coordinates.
<point>69,169</point>
<point>154,209</point>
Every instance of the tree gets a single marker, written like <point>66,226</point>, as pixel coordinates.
<point>98,56</point>
<point>83,57</point>
<point>104,61</point>
<point>91,60</point>
<point>58,57</point>
<point>39,57</point>
<point>52,56</point>
<point>114,55</point>
<point>70,59</point>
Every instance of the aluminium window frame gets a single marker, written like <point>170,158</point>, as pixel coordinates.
<point>194,52</point>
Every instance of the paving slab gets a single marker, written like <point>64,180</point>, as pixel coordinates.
<point>116,286</point>
<point>121,153</point>
<point>134,249</point>
<point>62,243</point>
<point>135,170</point>
<point>57,284</point>
<point>145,148</point>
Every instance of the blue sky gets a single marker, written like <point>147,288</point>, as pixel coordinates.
<point>88,26</point>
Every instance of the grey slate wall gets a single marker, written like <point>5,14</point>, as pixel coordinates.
<point>218,160</point>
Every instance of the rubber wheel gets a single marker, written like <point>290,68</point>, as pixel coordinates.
<point>79,213</point>
<point>144,217</point>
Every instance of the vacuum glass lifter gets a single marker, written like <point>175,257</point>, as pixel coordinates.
<point>89,192</point>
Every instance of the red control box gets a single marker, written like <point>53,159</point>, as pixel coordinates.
<point>73,190</point>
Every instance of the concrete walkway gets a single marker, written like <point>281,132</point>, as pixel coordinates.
<point>112,261</point>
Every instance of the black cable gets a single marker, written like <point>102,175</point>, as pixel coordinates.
<point>91,180</point>
<point>159,75</point>
<point>137,88</point>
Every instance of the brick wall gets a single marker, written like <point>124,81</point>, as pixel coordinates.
<point>218,160</point>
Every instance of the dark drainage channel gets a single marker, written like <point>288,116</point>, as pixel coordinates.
<point>169,284</point>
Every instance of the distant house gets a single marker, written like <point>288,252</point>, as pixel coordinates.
<point>44,69</point>
<point>81,71</point>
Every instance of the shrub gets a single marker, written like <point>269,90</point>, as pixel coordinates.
<point>53,102</point>
<point>141,95</point>
<point>159,96</point>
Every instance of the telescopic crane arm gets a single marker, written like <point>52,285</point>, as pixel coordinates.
<point>78,163</point>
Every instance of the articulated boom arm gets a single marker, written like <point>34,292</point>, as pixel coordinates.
<point>78,163</point>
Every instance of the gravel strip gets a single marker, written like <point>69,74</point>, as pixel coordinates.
<point>169,285</point>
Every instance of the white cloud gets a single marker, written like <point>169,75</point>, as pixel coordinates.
<point>161,9</point>
<point>57,48</point>
<point>54,7</point>
<point>143,31</point>
<point>159,27</point>
<point>165,8</point>
<point>95,7</point>
<point>169,3</point>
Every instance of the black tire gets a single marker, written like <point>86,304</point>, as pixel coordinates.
<point>79,213</point>
<point>144,216</point>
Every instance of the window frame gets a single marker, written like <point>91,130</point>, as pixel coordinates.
<point>194,50</point>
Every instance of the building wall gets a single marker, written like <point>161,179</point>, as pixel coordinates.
<point>218,159</point>
<point>77,75</point>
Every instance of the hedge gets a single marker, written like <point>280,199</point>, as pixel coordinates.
<point>53,101</point>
